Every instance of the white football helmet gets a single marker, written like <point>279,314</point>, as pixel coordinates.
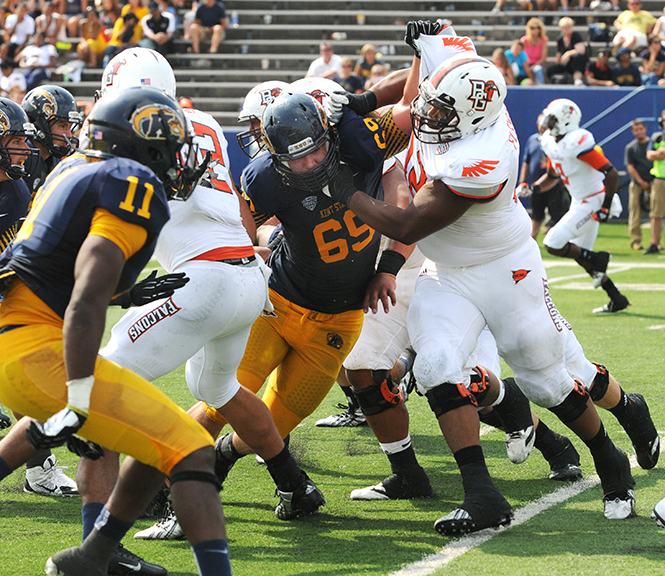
<point>252,109</point>
<point>138,67</point>
<point>561,116</point>
<point>461,97</point>
<point>319,88</point>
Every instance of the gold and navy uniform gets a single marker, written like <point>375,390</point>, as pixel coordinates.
<point>320,273</point>
<point>38,170</point>
<point>14,203</point>
<point>124,202</point>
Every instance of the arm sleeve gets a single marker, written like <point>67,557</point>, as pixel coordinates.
<point>594,158</point>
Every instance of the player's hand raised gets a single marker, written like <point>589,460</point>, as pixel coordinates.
<point>341,187</point>
<point>417,27</point>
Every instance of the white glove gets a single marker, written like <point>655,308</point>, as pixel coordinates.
<point>335,106</point>
<point>523,190</point>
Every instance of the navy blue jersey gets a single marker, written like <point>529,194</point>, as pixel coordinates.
<point>38,169</point>
<point>45,250</point>
<point>14,203</point>
<point>328,254</point>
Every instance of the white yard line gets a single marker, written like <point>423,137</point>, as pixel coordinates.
<point>457,548</point>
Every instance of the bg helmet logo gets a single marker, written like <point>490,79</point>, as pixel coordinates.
<point>268,96</point>
<point>148,122</point>
<point>482,92</point>
<point>44,102</point>
<point>109,77</point>
<point>5,125</point>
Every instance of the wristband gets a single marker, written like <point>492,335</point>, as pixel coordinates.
<point>390,262</point>
<point>535,189</point>
<point>78,394</point>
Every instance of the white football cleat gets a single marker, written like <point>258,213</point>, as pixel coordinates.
<point>168,528</point>
<point>49,480</point>
<point>619,508</point>
<point>658,513</point>
<point>519,444</point>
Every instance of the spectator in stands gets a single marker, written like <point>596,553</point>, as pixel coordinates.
<point>209,21</point>
<point>639,167</point>
<point>633,25</point>
<point>524,5</point>
<point>73,11</point>
<point>659,28</point>
<point>571,58</point>
<point>535,48</point>
<point>378,72</point>
<point>140,10</point>
<point>653,62</point>
<point>158,29</point>
<point>518,61</point>
<point>188,19</point>
<point>366,61</point>
<point>327,65</point>
<point>625,73</point>
<point>37,59</point>
<point>7,7</point>
<point>12,83</point>
<point>599,73</point>
<point>93,38</point>
<point>52,24</point>
<point>109,13</point>
<point>501,62</point>
<point>348,80</point>
<point>19,28</point>
<point>123,35</point>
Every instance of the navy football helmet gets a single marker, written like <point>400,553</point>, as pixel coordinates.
<point>14,124</point>
<point>146,125</point>
<point>293,126</point>
<point>46,105</point>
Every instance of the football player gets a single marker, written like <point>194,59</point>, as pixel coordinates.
<point>14,195</point>
<point>56,118</point>
<point>591,179</point>
<point>92,230</point>
<point>483,264</point>
<point>323,267</point>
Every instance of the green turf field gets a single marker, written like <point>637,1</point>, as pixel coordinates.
<point>381,538</point>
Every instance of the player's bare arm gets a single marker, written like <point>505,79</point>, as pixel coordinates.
<point>434,207</point>
<point>97,272</point>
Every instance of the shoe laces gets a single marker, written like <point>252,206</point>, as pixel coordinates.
<point>127,553</point>
<point>168,516</point>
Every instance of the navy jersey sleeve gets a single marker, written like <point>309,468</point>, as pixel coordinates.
<point>14,203</point>
<point>362,141</point>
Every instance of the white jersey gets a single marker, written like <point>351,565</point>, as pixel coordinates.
<point>481,166</point>
<point>194,227</point>
<point>580,178</point>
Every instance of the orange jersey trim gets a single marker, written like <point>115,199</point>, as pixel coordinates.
<point>594,158</point>
<point>130,238</point>
<point>503,185</point>
<point>226,253</point>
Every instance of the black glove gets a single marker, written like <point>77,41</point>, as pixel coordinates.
<point>415,28</point>
<point>341,187</point>
<point>84,448</point>
<point>602,215</point>
<point>151,289</point>
<point>56,431</point>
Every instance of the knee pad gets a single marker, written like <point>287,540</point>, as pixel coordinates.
<point>447,397</point>
<point>379,397</point>
<point>573,405</point>
<point>600,383</point>
<point>195,476</point>
<point>480,385</point>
